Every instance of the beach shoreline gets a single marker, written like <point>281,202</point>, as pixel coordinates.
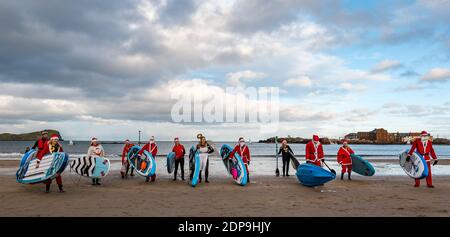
<point>266,196</point>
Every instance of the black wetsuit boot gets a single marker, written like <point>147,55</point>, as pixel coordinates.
<point>47,188</point>
<point>349,176</point>
<point>342,176</point>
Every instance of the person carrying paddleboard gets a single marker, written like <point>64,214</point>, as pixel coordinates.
<point>152,148</point>
<point>424,146</point>
<point>286,153</point>
<point>95,149</point>
<point>180,152</point>
<point>125,164</point>
<point>344,159</point>
<point>244,152</point>
<point>50,147</point>
<point>314,152</point>
<point>204,150</point>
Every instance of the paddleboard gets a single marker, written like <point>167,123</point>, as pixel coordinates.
<point>170,162</point>
<point>235,165</point>
<point>416,167</point>
<point>294,161</point>
<point>361,166</point>
<point>50,166</point>
<point>194,166</point>
<point>91,167</point>
<point>312,175</point>
<point>144,165</point>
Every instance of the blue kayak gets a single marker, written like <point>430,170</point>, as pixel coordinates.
<point>313,175</point>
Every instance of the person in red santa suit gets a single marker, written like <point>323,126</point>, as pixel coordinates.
<point>152,148</point>
<point>244,153</point>
<point>50,147</point>
<point>125,164</point>
<point>344,159</point>
<point>424,147</point>
<point>314,152</point>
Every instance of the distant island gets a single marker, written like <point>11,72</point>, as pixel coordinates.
<point>27,136</point>
<point>327,141</point>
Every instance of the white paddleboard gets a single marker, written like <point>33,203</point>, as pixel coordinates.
<point>416,167</point>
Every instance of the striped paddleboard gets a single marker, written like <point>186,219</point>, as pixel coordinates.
<point>50,166</point>
<point>91,167</point>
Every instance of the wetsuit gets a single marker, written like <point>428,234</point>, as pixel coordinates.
<point>204,160</point>
<point>285,152</point>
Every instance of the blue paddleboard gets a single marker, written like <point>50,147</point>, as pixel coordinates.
<point>145,164</point>
<point>312,175</point>
<point>194,166</point>
<point>50,166</point>
<point>235,163</point>
<point>170,162</point>
<point>416,167</point>
<point>362,166</point>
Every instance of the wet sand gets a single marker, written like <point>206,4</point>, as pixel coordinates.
<point>266,196</point>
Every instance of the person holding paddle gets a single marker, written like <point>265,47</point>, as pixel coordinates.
<point>344,159</point>
<point>286,153</point>
<point>314,152</point>
<point>152,148</point>
<point>244,152</point>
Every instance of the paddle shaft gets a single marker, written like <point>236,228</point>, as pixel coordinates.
<point>332,170</point>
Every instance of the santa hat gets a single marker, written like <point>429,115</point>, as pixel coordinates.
<point>424,133</point>
<point>176,139</point>
<point>344,140</point>
<point>315,138</point>
<point>241,139</point>
<point>54,137</point>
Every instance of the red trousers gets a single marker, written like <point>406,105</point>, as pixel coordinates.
<point>346,167</point>
<point>58,180</point>
<point>429,178</point>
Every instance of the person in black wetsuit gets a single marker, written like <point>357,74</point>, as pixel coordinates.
<point>285,151</point>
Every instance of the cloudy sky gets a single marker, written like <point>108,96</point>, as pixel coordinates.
<point>107,68</point>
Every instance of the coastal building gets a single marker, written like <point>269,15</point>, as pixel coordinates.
<point>382,136</point>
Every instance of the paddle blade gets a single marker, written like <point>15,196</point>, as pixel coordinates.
<point>333,171</point>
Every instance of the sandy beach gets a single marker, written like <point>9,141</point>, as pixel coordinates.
<point>266,196</point>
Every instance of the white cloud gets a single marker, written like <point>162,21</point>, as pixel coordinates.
<point>386,65</point>
<point>302,81</point>
<point>437,74</point>
<point>353,87</point>
<point>237,78</point>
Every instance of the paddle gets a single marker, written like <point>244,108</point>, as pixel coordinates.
<point>331,170</point>
<point>277,171</point>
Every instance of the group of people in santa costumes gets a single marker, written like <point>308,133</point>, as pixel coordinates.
<point>314,154</point>
<point>422,145</point>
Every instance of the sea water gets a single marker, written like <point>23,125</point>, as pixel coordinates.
<point>384,157</point>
